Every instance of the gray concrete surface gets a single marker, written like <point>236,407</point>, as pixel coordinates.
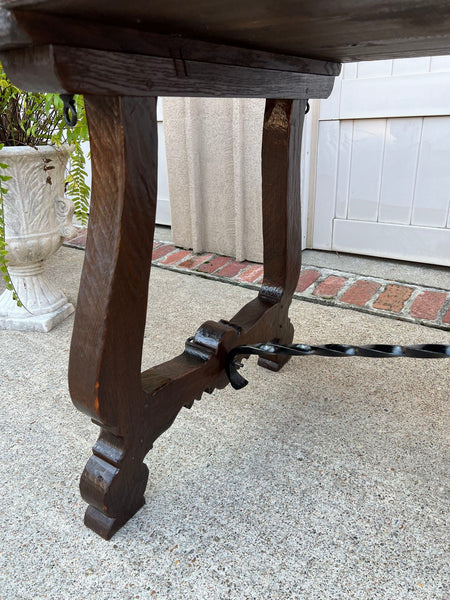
<point>327,480</point>
<point>163,233</point>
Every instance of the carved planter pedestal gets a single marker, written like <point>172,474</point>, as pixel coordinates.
<point>37,220</point>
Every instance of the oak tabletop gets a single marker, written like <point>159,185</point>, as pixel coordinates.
<point>338,30</point>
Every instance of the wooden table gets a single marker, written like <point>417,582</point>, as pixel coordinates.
<point>121,56</point>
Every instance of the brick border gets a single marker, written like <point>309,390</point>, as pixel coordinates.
<point>406,302</point>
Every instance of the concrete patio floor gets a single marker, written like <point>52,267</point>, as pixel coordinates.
<point>327,480</point>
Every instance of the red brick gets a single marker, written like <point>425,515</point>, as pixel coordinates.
<point>232,269</point>
<point>330,287</point>
<point>80,240</point>
<point>81,230</point>
<point>195,261</point>
<point>162,251</point>
<point>251,274</point>
<point>215,263</point>
<point>446,318</point>
<point>156,245</point>
<point>393,298</point>
<point>360,292</point>
<point>81,237</point>
<point>175,257</point>
<point>427,305</point>
<point>306,279</point>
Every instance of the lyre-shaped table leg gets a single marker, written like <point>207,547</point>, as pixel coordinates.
<point>105,358</point>
<point>133,409</point>
<point>281,152</point>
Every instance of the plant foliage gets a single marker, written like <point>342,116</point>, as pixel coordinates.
<point>3,261</point>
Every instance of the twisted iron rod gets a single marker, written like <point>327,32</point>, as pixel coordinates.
<point>333,350</point>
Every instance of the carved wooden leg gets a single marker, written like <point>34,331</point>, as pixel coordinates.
<point>105,358</point>
<point>105,378</point>
<point>282,137</point>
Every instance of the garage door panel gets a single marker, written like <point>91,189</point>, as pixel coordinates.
<point>421,244</point>
<point>344,165</point>
<point>401,153</point>
<point>389,175</point>
<point>366,168</point>
<point>400,96</point>
<point>432,193</point>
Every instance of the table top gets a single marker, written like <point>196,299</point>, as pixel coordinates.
<point>330,30</point>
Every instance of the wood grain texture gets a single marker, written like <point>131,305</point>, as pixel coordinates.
<point>23,28</point>
<point>281,205</point>
<point>12,35</point>
<point>87,71</point>
<point>281,148</point>
<point>133,409</point>
<point>105,378</point>
<point>113,292</point>
<point>339,31</point>
<point>105,357</point>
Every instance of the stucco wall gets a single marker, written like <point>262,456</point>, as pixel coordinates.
<point>213,151</point>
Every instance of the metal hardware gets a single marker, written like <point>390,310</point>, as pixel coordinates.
<point>334,350</point>
<point>69,110</point>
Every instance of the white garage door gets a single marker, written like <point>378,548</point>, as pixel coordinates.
<point>383,163</point>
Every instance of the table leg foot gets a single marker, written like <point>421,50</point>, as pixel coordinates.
<point>114,493</point>
<point>103,525</point>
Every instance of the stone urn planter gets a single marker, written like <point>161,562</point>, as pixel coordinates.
<point>37,219</point>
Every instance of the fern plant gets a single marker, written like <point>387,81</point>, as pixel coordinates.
<point>29,119</point>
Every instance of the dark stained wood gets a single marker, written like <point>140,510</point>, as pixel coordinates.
<point>338,30</point>
<point>105,378</point>
<point>25,28</point>
<point>121,71</point>
<point>105,357</point>
<point>86,71</point>
<point>281,204</point>
<point>282,136</point>
<point>12,35</point>
<point>124,189</point>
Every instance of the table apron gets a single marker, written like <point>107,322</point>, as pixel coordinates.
<point>66,69</point>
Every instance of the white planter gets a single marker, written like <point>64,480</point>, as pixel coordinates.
<point>37,220</point>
